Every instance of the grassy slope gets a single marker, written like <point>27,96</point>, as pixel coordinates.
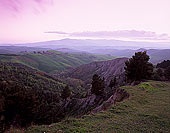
<point>57,62</point>
<point>147,110</point>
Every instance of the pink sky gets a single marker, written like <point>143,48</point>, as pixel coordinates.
<point>28,20</point>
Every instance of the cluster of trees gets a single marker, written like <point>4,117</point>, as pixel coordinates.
<point>162,71</point>
<point>28,96</point>
<point>165,64</point>
<point>139,68</point>
<point>99,85</point>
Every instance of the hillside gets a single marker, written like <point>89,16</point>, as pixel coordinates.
<point>106,69</point>
<point>147,110</point>
<point>27,95</point>
<point>156,55</point>
<point>51,61</point>
<point>16,73</point>
<point>30,96</point>
<point>19,49</point>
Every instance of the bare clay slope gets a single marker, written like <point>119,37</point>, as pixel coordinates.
<point>106,69</point>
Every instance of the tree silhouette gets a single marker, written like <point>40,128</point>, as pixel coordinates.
<point>66,93</point>
<point>113,83</point>
<point>98,85</point>
<point>138,68</point>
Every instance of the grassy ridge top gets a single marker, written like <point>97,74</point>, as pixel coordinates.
<point>51,61</point>
<point>147,110</point>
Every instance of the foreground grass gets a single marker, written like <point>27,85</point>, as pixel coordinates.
<point>147,110</point>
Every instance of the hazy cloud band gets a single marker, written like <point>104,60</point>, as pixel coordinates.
<point>129,34</point>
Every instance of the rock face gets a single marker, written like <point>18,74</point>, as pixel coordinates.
<point>118,96</point>
<point>92,103</point>
<point>106,69</point>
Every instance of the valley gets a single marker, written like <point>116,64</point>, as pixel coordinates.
<point>54,88</point>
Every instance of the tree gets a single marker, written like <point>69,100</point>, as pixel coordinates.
<point>138,68</point>
<point>167,73</point>
<point>98,85</point>
<point>66,93</point>
<point>164,64</point>
<point>113,83</point>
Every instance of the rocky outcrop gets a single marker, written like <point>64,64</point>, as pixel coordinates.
<point>93,103</point>
<point>118,96</point>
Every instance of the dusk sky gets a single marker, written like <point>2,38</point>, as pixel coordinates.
<point>41,20</point>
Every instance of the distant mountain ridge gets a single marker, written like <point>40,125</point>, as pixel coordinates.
<point>83,43</point>
<point>156,55</point>
<point>100,47</point>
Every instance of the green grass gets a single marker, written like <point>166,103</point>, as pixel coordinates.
<point>147,110</point>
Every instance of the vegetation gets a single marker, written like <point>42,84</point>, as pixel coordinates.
<point>138,68</point>
<point>162,71</point>
<point>27,96</point>
<point>146,111</point>
<point>167,73</point>
<point>52,61</point>
<point>98,85</point>
<point>165,64</point>
<point>113,83</point>
<point>66,93</point>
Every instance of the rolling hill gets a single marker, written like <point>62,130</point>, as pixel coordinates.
<point>19,49</point>
<point>51,61</point>
<point>156,55</point>
<point>21,74</point>
<point>158,51</point>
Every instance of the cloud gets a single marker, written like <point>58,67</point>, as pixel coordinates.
<point>129,34</point>
<point>57,32</point>
<point>19,5</point>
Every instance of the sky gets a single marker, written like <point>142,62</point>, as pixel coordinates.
<point>41,20</point>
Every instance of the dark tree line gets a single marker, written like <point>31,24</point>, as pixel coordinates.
<point>165,64</point>
<point>162,71</point>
